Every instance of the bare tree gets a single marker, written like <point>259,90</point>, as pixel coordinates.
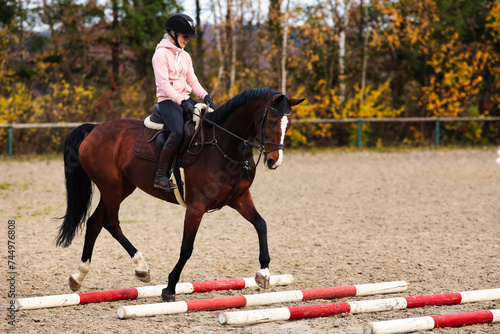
<point>344,22</point>
<point>115,41</point>
<point>218,40</point>
<point>274,27</point>
<point>366,35</point>
<point>199,52</point>
<point>285,48</point>
<point>231,46</point>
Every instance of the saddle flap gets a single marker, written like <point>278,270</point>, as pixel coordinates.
<point>145,147</point>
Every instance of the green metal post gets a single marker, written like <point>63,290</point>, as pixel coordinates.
<point>10,140</point>
<point>437,132</point>
<point>358,141</point>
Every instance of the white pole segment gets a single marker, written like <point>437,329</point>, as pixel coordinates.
<point>384,287</point>
<point>274,297</point>
<point>388,304</point>
<point>496,315</point>
<point>399,326</point>
<point>151,309</point>
<point>47,301</point>
<point>254,317</point>
<point>480,295</point>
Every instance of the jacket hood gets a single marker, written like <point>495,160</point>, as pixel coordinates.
<point>165,43</point>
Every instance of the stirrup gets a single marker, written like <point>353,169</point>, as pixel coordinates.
<point>161,184</point>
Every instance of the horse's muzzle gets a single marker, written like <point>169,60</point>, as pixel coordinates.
<point>271,164</point>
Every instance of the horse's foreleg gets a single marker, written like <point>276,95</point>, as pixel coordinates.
<point>263,276</point>
<point>94,226</point>
<point>192,221</point>
<point>246,208</point>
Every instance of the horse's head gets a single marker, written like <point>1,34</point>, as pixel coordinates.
<point>275,122</point>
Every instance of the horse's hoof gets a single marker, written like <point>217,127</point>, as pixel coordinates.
<point>167,297</point>
<point>263,278</point>
<point>143,276</point>
<point>73,284</point>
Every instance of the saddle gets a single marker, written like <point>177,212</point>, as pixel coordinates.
<point>151,139</point>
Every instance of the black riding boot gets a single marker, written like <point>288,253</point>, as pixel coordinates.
<point>162,179</point>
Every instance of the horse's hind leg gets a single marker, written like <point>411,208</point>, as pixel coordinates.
<point>94,226</point>
<point>112,225</point>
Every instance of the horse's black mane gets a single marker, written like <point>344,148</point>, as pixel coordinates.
<point>220,114</point>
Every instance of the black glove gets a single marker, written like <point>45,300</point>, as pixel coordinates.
<point>209,102</point>
<point>187,108</point>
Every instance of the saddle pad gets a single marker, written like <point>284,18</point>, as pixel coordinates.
<point>145,147</point>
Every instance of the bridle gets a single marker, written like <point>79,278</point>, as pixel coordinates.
<point>262,140</point>
<point>247,143</point>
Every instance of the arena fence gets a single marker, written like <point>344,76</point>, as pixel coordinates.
<point>436,120</point>
<point>358,121</point>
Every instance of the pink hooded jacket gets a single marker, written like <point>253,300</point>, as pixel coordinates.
<point>174,74</point>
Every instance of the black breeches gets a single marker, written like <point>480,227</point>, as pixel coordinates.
<point>172,116</point>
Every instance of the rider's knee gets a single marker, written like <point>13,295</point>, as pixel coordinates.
<point>172,141</point>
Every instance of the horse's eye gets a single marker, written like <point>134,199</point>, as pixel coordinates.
<point>272,123</point>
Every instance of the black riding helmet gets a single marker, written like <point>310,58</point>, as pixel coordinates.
<point>180,24</point>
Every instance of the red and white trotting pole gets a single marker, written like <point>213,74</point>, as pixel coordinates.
<point>431,322</point>
<point>142,292</point>
<point>324,310</point>
<point>259,299</point>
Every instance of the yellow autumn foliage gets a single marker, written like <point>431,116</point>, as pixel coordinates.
<point>375,104</point>
<point>493,23</point>
<point>457,79</point>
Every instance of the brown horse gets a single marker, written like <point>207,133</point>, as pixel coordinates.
<point>221,175</point>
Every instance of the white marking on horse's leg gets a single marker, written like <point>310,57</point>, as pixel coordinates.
<point>76,280</point>
<point>284,124</point>
<point>139,261</point>
<point>263,278</point>
<point>141,269</point>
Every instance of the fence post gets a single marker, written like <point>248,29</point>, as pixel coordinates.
<point>10,140</point>
<point>437,132</point>
<point>358,139</point>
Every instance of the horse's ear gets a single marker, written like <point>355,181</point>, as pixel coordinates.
<point>278,99</point>
<point>294,102</point>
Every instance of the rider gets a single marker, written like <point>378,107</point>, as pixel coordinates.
<point>175,80</point>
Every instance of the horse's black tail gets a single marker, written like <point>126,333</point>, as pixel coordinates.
<point>78,187</point>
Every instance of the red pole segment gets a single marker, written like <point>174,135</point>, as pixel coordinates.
<point>228,284</point>
<point>462,319</point>
<point>107,296</point>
